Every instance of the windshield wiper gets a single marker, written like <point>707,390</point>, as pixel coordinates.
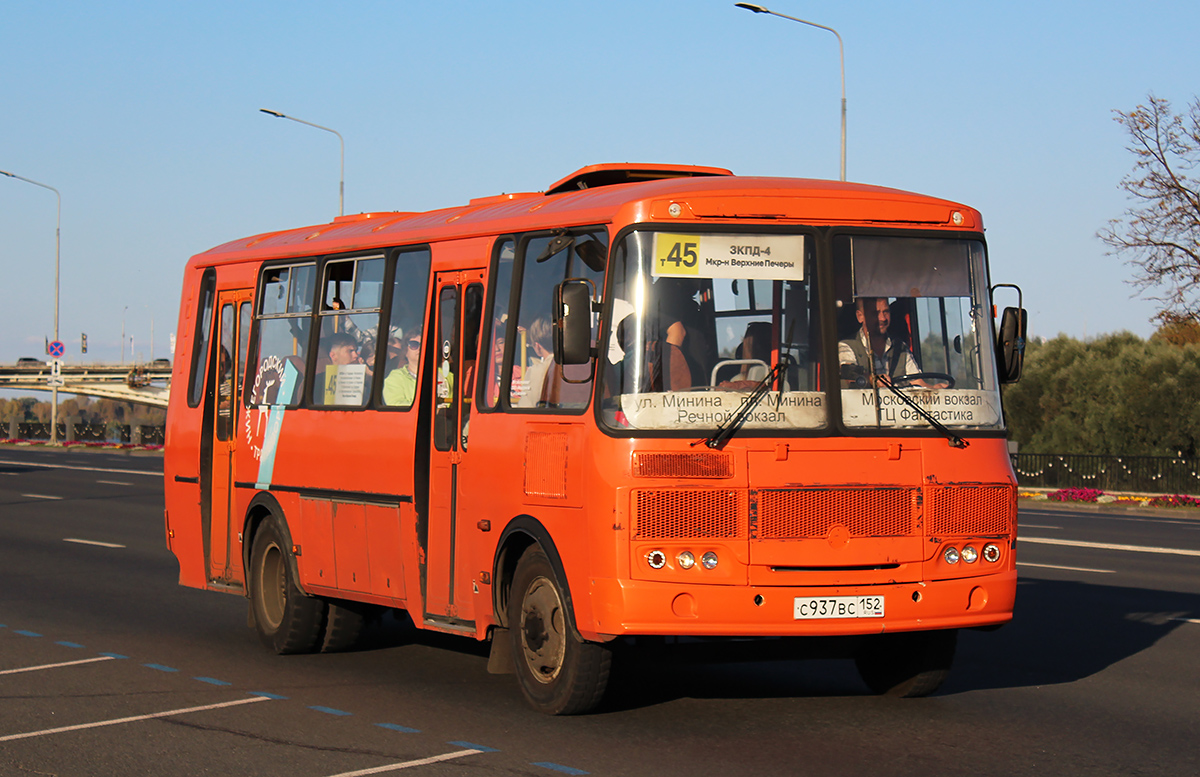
<point>723,432</point>
<point>954,440</point>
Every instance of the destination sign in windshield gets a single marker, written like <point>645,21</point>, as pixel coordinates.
<point>768,257</point>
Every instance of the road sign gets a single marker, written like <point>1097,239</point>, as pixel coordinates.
<point>55,379</point>
<point>57,349</point>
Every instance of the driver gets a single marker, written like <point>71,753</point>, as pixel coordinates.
<point>873,357</point>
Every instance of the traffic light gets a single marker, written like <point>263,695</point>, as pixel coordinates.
<point>83,343</point>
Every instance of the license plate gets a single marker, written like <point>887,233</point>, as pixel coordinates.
<point>812,607</point>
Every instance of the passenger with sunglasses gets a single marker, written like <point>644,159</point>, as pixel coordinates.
<point>400,386</point>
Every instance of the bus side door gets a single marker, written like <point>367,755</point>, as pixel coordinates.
<point>459,306</point>
<point>232,331</point>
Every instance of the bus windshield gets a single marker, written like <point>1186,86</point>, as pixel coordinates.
<point>699,319</point>
<point>912,315</point>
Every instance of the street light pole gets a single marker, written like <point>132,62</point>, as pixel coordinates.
<point>342,183</point>
<point>57,254</point>
<point>841,54</point>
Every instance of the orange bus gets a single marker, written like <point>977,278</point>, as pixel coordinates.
<point>652,400</point>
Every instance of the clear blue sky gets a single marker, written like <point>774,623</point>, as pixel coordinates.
<point>145,116</point>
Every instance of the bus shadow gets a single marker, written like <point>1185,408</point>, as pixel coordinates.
<point>1062,632</point>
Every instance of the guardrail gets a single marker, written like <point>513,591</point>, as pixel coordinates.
<point>127,434</point>
<point>1140,474</point>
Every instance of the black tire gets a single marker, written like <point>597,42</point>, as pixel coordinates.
<point>345,623</point>
<point>907,664</point>
<point>558,672</point>
<point>286,620</point>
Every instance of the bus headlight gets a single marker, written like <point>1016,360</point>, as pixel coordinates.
<point>950,555</point>
<point>970,555</point>
<point>709,560</point>
<point>656,559</point>
<point>686,560</point>
<point>991,553</point>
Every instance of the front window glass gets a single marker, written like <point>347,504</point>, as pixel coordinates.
<point>912,317</point>
<point>700,320</point>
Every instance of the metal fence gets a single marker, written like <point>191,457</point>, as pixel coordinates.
<point>1141,474</point>
<point>113,433</point>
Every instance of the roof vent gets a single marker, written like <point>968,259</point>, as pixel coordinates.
<point>607,175</point>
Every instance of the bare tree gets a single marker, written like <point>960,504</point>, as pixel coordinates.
<point>1159,235</point>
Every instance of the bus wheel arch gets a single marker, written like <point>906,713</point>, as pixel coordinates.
<point>518,536</point>
<point>287,619</point>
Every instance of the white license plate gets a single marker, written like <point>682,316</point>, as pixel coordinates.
<point>812,607</point>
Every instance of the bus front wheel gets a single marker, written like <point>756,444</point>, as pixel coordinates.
<point>559,673</point>
<point>907,664</point>
<point>287,621</point>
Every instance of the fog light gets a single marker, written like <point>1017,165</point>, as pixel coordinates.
<point>970,555</point>
<point>709,560</point>
<point>991,553</point>
<point>686,560</point>
<point>950,555</point>
<point>656,559</point>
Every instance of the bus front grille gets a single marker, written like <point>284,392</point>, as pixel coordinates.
<point>809,513</point>
<point>969,509</point>
<point>689,513</point>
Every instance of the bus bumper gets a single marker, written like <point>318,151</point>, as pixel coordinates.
<point>633,607</point>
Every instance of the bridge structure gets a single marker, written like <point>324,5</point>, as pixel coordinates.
<point>143,384</point>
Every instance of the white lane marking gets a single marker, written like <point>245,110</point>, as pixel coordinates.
<point>1110,546</point>
<point>1069,569</point>
<point>1187,620</point>
<point>114,482</point>
<point>1090,515</point>
<point>81,469</point>
<point>93,542</point>
<point>40,496</point>
<point>408,764</point>
<point>56,666</point>
<point>132,719</point>
<point>1038,526</point>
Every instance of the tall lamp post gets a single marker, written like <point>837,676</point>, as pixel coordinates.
<point>342,183</point>
<point>841,52</point>
<point>57,252</point>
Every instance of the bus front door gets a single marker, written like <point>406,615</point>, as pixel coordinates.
<point>459,300</point>
<point>233,329</point>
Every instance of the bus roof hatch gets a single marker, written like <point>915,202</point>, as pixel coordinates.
<point>606,175</point>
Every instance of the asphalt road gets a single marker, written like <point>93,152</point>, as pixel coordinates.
<point>107,667</point>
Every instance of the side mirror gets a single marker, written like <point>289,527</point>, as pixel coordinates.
<point>1010,344</point>
<point>572,333</point>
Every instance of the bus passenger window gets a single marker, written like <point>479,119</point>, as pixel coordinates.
<point>346,347</point>
<point>285,305</point>
<point>406,319</point>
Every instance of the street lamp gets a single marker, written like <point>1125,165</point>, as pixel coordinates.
<point>57,252</point>
<point>841,52</point>
<point>342,183</point>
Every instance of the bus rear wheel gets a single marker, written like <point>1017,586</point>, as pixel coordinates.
<point>287,621</point>
<point>559,673</point>
<point>907,664</point>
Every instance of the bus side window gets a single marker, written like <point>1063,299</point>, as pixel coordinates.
<point>349,316</point>
<point>406,319</point>
<point>548,260</point>
<point>208,284</point>
<point>285,305</point>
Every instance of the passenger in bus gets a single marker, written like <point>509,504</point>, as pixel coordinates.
<point>535,377</point>
<point>687,354</point>
<point>756,344</point>
<point>400,385</point>
<point>342,351</point>
<point>873,357</point>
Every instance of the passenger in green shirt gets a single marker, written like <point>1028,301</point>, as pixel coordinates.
<point>400,385</point>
